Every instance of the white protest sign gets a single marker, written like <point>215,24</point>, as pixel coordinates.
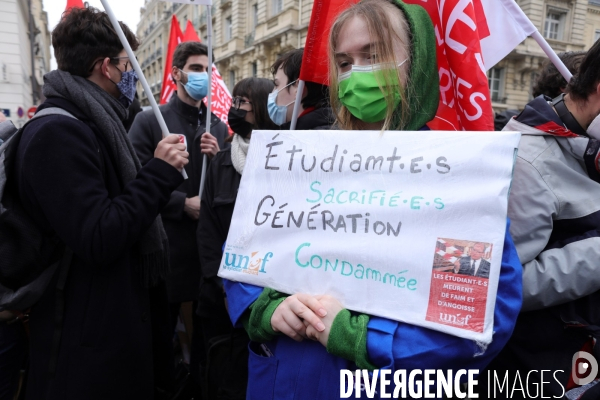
<point>403,225</point>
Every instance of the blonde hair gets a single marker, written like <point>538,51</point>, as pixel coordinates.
<point>386,25</point>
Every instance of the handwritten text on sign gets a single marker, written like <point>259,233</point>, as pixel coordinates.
<point>382,222</point>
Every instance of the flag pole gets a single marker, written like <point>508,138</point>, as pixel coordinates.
<point>138,70</point>
<point>562,68</point>
<point>297,105</point>
<point>209,94</point>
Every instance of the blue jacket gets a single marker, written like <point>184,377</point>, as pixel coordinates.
<point>304,370</point>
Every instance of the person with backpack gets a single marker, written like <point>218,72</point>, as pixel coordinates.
<point>99,329</point>
<point>555,216</point>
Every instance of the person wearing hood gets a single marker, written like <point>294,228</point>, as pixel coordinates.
<point>383,76</point>
<point>555,216</point>
<point>79,179</point>
<point>314,110</point>
<point>248,112</point>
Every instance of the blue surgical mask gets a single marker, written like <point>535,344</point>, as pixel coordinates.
<point>277,113</point>
<point>127,86</point>
<point>197,84</point>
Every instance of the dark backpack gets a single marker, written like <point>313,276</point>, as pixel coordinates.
<point>29,257</point>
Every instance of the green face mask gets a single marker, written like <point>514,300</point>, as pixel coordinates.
<point>359,92</point>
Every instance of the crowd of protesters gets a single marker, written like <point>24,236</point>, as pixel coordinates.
<point>134,242</point>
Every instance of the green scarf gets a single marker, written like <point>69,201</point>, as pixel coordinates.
<point>424,88</point>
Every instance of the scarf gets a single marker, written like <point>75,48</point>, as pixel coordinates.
<point>239,151</point>
<point>106,113</point>
<point>424,84</point>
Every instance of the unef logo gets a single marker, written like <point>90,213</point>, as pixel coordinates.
<point>584,368</point>
<point>249,265</point>
<point>455,319</point>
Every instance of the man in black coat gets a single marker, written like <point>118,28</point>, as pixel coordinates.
<point>186,114</point>
<point>79,178</point>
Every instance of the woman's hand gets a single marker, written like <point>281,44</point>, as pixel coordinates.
<point>295,313</point>
<point>333,307</point>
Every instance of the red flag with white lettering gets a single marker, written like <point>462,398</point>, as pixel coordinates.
<point>168,86</point>
<point>472,36</point>
<point>464,94</point>
<point>221,98</point>
<point>315,64</point>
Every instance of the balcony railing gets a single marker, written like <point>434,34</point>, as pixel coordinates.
<point>155,55</point>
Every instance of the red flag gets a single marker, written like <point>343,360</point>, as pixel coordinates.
<point>74,4</point>
<point>190,34</point>
<point>315,64</point>
<point>175,37</point>
<point>221,98</point>
<point>465,102</point>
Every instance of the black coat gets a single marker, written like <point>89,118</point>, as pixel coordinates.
<point>69,184</point>
<point>218,201</point>
<point>145,133</point>
<point>319,119</point>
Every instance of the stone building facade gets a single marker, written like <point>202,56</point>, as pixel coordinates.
<point>249,35</point>
<point>567,25</point>
<point>24,56</point>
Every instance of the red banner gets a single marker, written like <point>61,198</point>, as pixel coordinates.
<point>221,98</point>
<point>74,4</point>
<point>168,86</point>
<point>315,63</point>
<point>465,102</point>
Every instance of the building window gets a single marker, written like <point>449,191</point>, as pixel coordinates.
<point>554,25</point>
<point>496,84</point>
<point>254,16</point>
<point>231,79</point>
<point>228,29</point>
<point>534,78</point>
<point>277,6</point>
<point>596,35</point>
<point>254,69</point>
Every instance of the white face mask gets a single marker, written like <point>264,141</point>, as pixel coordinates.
<point>594,129</point>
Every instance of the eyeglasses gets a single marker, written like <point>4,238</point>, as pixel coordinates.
<point>236,102</point>
<point>128,64</point>
<point>115,61</point>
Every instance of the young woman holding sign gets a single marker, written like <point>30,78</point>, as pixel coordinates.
<point>399,41</point>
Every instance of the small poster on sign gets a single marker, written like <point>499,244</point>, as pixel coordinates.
<point>459,283</point>
<point>408,226</point>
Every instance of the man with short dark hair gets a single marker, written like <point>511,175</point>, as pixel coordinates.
<point>185,114</point>
<point>79,179</point>
<point>315,112</point>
